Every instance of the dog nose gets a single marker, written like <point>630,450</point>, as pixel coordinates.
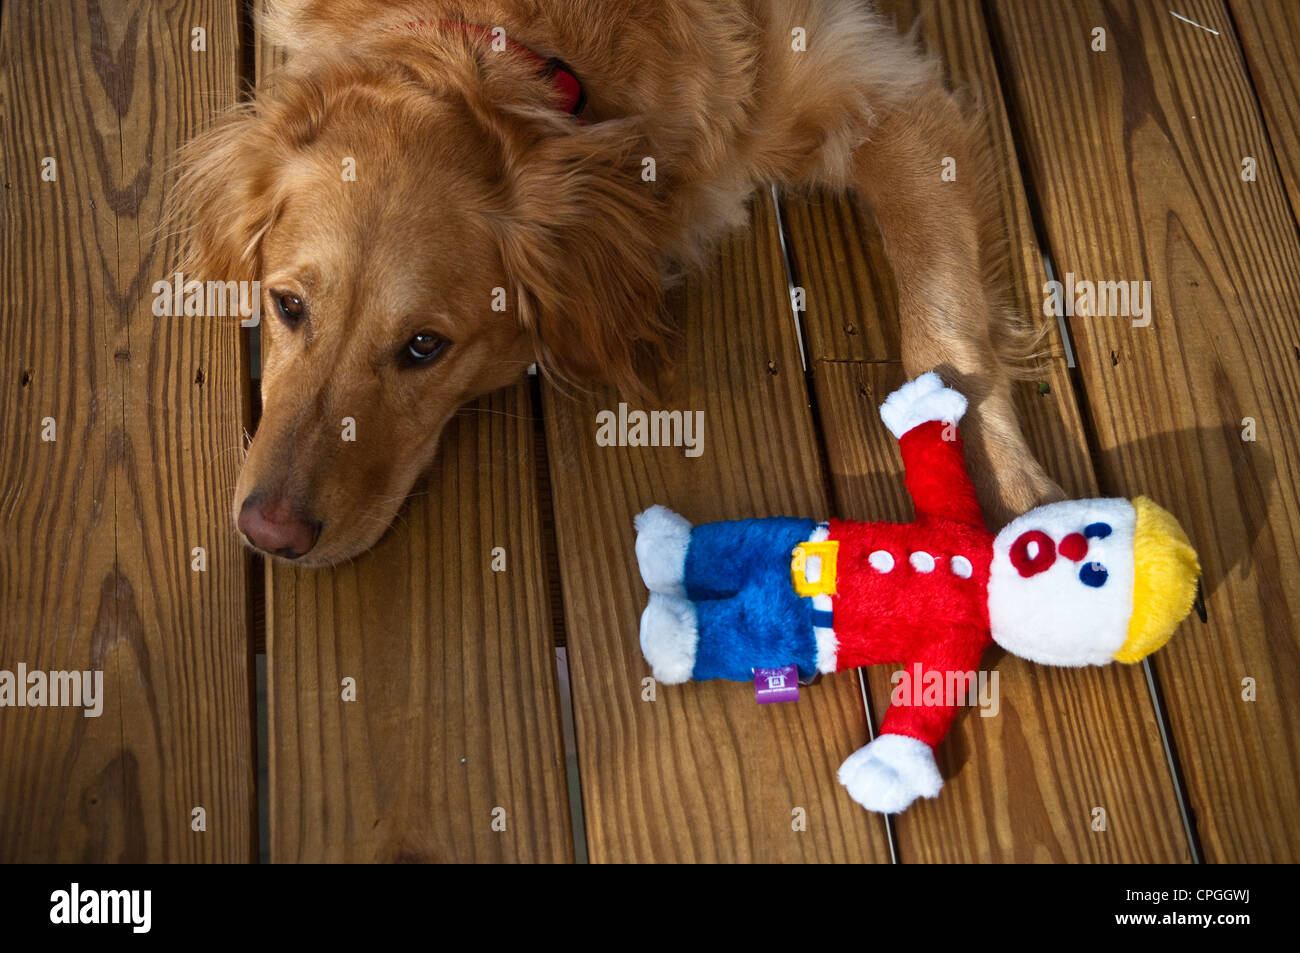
<point>274,527</point>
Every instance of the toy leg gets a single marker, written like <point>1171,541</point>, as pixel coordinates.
<point>670,637</point>
<point>714,560</point>
<point>727,558</point>
<point>731,607</point>
<point>766,626</point>
<point>662,538</point>
<point>727,638</point>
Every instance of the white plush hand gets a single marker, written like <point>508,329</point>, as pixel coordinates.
<point>890,773</point>
<point>921,401</point>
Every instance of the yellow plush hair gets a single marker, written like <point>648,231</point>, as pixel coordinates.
<point>1165,570</point>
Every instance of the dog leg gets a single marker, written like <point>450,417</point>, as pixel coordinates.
<point>933,238</point>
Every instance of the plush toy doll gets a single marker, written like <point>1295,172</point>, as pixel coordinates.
<point>1082,582</point>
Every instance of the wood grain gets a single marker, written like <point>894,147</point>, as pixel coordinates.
<point>1020,786</point>
<point>838,258</point>
<point>701,772</point>
<point>97,527</point>
<point>1269,32</point>
<point>1135,157</point>
<point>456,712</point>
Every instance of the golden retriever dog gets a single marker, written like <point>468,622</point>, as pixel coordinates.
<point>426,218</point>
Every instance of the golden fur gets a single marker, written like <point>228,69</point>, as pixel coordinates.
<point>468,178</point>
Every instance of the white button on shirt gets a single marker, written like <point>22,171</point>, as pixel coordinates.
<point>882,561</point>
<point>922,562</point>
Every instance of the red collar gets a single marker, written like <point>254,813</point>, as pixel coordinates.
<point>561,76</point>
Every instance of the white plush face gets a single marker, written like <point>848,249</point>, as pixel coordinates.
<point>1061,582</point>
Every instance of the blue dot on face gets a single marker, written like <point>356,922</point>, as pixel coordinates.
<point>1097,531</point>
<point>1093,574</point>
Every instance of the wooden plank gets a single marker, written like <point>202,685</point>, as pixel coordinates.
<point>98,526</point>
<point>701,773</point>
<point>1043,742</point>
<point>1269,31</point>
<point>456,712</point>
<point>839,260</point>
<point>1135,156</point>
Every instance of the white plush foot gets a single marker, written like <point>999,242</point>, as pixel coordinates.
<point>920,401</point>
<point>662,538</point>
<point>890,773</point>
<point>669,634</point>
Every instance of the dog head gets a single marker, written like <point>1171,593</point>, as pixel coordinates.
<point>423,226</point>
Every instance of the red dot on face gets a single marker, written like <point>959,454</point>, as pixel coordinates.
<point>1074,547</point>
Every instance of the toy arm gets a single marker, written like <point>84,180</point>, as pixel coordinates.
<point>921,414</point>
<point>890,773</point>
<point>908,715</point>
<point>898,766</point>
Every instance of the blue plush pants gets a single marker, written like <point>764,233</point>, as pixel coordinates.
<point>749,615</point>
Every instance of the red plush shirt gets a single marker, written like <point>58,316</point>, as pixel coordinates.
<point>892,611</point>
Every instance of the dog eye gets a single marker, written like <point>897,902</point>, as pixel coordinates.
<point>289,306</point>
<point>425,347</point>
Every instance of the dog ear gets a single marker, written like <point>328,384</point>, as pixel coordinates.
<point>221,200</point>
<point>581,243</point>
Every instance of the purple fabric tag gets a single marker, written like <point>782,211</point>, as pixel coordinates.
<point>776,684</point>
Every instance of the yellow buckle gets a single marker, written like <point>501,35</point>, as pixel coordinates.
<point>822,555</point>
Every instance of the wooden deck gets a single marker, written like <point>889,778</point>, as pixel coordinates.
<point>1117,165</point>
